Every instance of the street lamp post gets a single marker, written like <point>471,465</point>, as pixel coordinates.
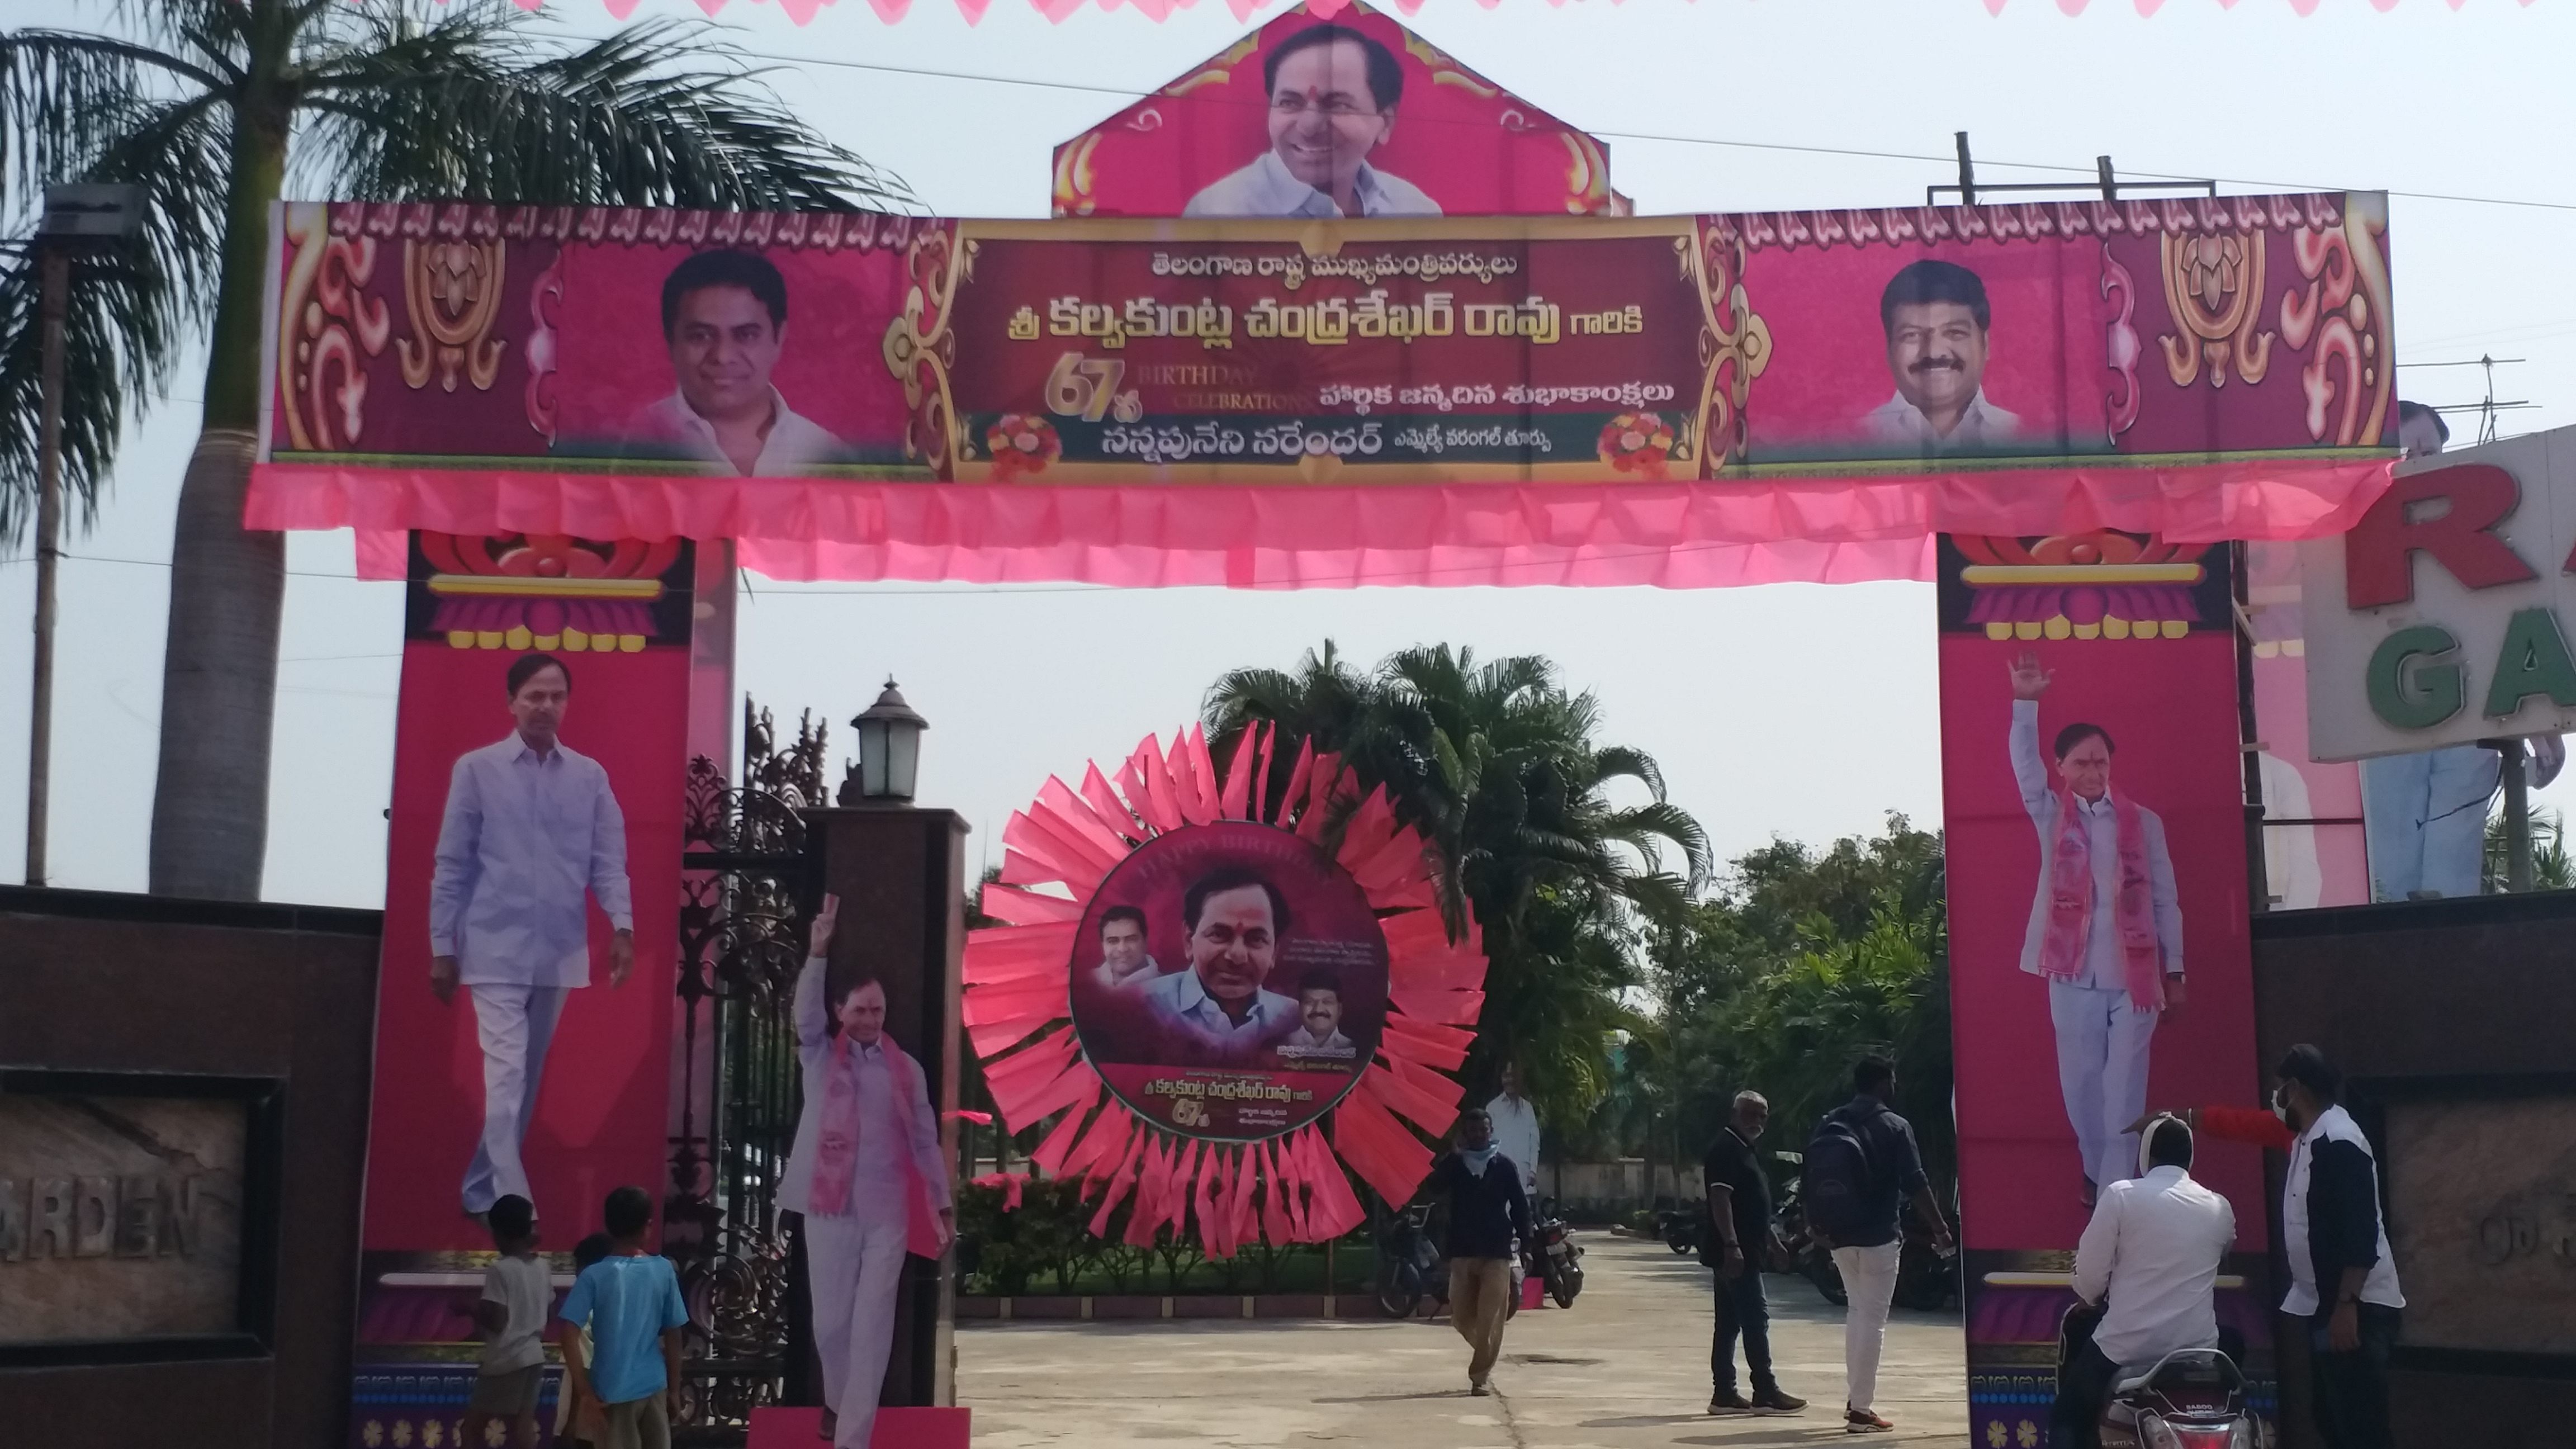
<point>889,749</point>
<point>76,218</point>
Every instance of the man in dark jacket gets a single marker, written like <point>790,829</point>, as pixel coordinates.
<point>1868,1247</point>
<point>1486,1210</point>
<point>2342,1281</point>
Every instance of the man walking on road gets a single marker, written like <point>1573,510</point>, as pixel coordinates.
<point>1739,1220</point>
<point>1862,1159</point>
<point>1486,1209</point>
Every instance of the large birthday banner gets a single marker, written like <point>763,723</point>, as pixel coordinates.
<point>565,341</point>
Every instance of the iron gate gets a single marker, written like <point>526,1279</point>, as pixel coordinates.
<point>747,882</point>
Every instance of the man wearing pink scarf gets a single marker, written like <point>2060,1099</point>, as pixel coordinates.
<point>868,1175</point>
<point>2105,929</point>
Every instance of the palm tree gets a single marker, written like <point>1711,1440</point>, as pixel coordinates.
<point>1496,765</point>
<point>216,108</point>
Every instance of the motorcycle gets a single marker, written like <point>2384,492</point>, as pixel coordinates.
<point>1560,1257</point>
<point>1681,1228</point>
<point>1408,1263</point>
<point>2191,1399</point>
<point>1926,1278</point>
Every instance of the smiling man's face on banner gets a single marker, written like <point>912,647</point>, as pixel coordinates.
<point>1324,120</point>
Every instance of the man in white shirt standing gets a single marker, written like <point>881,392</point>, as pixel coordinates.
<point>724,316</point>
<point>1332,96</point>
<point>2105,929</point>
<point>1936,318</point>
<point>530,827</point>
<point>1516,1134</point>
<point>1221,1009</point>
<point>2153,1251</point>
<point>1516,1128</point>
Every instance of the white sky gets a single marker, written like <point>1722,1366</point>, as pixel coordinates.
<point>1795,710</point>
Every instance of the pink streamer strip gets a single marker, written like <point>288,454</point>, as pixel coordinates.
<point>1676,535</point>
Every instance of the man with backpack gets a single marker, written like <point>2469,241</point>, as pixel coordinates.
<point>1861,1160</point>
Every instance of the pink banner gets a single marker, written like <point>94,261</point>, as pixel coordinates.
<point>2081,671</point>
<point>1352,116</point>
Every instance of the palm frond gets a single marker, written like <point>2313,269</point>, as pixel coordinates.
<point>474,102</point>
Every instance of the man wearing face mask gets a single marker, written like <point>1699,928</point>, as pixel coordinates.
<point>1333,93</point>
<point>1487,1210</point>
<point>2342,1280</point>
<point>2105,929</point>
<point>1936,318</point>
<point>1739,1222</point>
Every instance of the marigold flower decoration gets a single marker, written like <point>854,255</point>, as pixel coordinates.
<point>1637,443</point>
<point>1021,443</point>
<point>1287,1188</point>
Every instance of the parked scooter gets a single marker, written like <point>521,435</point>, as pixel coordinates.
<point>1560,1258</point>
<point>2191,1399</point>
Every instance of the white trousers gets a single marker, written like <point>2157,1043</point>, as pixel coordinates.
<point>516,1025</point>
<point>2102,1042</point>
<point>1869,1284</point>
<point>853,1268</point>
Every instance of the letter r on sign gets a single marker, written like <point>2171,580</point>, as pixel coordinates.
<point>2379,553</point>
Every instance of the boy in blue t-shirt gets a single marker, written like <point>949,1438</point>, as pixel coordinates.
<point>628,1300</point>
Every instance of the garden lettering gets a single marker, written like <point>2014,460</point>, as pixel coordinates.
<point>2451,513</point>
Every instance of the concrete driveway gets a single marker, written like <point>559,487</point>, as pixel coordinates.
<point>1625,1368</point>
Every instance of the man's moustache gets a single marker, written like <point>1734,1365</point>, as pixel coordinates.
<point>1927,364</point>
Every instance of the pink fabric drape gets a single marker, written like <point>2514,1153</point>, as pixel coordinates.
<point>1672,535</point>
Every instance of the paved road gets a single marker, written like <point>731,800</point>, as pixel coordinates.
<point>1626,1368</point>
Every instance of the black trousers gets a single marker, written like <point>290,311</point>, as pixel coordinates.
<point>2083,1382</point>
<point>1741,1311</point>
<point>2352,1388</point>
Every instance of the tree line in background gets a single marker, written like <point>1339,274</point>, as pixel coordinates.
<point>1638,986</point>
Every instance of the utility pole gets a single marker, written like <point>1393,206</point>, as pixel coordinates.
<point>1967,173</point>
<point>76,218</point>
<point>55,262</point>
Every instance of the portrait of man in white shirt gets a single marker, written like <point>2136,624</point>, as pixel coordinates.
<point>531,830</point>
<point>1125,963</point>
<point>1220,1010</point>
<point>1319,1036</point>
<point>724,319</point>
<point>1938,325</point>
<point>2110,947</point>
<point>1332,94</point>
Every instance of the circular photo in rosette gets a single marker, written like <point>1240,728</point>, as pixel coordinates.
<point>1229,981</point>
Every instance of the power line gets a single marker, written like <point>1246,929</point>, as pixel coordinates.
<point>1130,93</point>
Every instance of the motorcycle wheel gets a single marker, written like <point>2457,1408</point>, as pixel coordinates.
<point>1563,1283</point>
<point>1820,1270</point>
<point>1926,1290</point>
<point>1399,1294</point>
<point>1680,1242</point>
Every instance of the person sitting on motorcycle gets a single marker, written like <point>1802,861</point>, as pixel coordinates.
<point>2149,1262</point>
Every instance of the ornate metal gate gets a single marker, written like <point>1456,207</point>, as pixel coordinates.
<point>745,887</point>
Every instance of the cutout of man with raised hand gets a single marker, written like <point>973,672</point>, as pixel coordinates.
<point>2105,928</point>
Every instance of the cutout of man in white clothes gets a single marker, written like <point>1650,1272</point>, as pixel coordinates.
<point>2107,937</point>
<point>869,1177</point>
<point>530,827</point>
